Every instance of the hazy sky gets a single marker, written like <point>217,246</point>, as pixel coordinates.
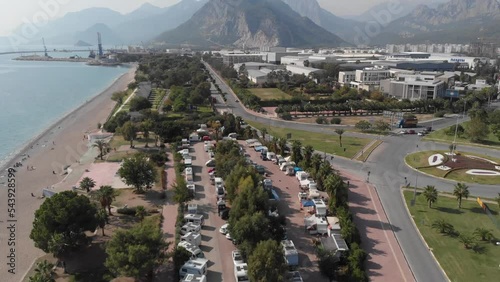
<point>15,12</point>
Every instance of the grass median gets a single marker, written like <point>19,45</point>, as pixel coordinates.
<point>459,263</point>
<point>328,143</point>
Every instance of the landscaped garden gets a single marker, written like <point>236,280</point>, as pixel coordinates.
<point>462,240</point>
<point>448,135</point>
<point>266,94</point>
<point>329,143</point>
<point>459,166</point>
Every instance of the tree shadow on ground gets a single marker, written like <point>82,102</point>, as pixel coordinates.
<point>481,211</point>
<point>449,210</point>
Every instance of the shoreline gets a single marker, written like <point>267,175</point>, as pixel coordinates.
<point>59,145</point>
<point>18,153</point>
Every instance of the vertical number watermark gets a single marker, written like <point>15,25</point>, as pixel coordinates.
<point>11,220</point>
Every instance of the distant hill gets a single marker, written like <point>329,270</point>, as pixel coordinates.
<point>249,23</point>
<point>109,37</point>
<point>339,26</point>
<point>81,43</point>
<point>457,21</point>
<point>145,29</point>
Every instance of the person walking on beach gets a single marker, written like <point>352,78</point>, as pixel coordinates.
<point>53,172</point>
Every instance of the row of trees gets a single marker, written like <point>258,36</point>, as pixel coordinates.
<point>483,122</point>
<point>257,234</point>
<point>460,191</point>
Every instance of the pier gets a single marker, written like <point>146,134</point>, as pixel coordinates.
<point>37,58</point>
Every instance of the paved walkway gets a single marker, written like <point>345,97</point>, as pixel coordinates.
<point>386,261</point>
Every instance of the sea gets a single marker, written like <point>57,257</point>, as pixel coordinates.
<point>34,95</point>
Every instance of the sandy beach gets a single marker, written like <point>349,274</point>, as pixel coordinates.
<point>61,145</point>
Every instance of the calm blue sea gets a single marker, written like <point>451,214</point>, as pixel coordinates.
<point>34,95</point>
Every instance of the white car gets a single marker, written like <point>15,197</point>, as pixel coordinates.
<point>421,134</point>
<point>228,236</point>
<point>237,257</point>
<point>224,229</point>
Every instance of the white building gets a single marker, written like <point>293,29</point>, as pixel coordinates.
<point>302,70</point>
<point>345,77</point>
<point>418,86</point>
<point>367,79</point>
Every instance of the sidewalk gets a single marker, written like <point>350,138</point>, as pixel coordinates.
<point>386,261</point>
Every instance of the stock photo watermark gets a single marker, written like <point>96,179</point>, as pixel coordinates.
<point>381,19</point>
<point>30,27</point>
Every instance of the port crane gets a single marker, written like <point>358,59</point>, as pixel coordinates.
<point>45,47</point>
<point>99,45</point>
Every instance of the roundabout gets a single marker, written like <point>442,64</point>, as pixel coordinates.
<point>456,166</point>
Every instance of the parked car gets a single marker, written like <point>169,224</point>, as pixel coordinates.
<point>224,229</point>
<point>421,133</point>
<point>237,257</point>
<point>210,163</point>
<point>411,131</point>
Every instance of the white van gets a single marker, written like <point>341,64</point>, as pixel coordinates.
<point>241,272</point>
<point>194,218</point>
<point>190,228</point>
<point>194,266</point>
<point>195,251</point>
<point>219,182</point>
<point>194,278</point>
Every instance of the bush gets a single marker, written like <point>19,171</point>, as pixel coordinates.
<point>127,211</point>
<point>440,114</point>
<point>159,158</point>
<point>286,116</point>
<point>336,120</point>
<point>321,120</point>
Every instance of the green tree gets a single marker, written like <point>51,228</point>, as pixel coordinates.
<point>138,172</point>
<point>363,125</point>
<point>140,212</point>
<point>308,152</point>
<point>430,194</point>
<point>327,263</point>
<point>129,132</point>
<point>461,191</point>
<point>180,256</point>
<point>249,230</point>
<point>43,272</point>
<point>61,221</point>
<point>102,219</point>
<point>146,127</point>
<point>282,145</point>
<point>101,145</point>
<point>181,192</point>
<point>267,262</point>
<point>483,234</point>
<point>87,183</point>
<point>139,103</point>
<point>467,240</point>
<point>381,125</point>
<point>340,132</point>
<point>442,226</point>
<point>297,156</point>
<point>105,196</point>
<point>119,96</point>
<point>136,251</point>
<point>477,130</point>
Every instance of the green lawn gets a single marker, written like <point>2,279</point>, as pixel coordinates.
<point>460,264</point>
<point>266,94</point>
<point>419,160</point>
<point>321,142</point>
<point>440,135</point>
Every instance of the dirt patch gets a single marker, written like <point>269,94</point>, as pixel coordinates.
<point>461,161</point>
<point>149,200</point>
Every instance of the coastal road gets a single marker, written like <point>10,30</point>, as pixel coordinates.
<point>387,172</point>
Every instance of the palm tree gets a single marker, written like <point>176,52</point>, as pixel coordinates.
<point>105,195</point>
<point>297,151</point>
<point>282,145</point>
<point>87,183</point>
<point>102,219</point>
<point>43,272</point>
<point>498,199</point>
<point>483,234</point>
<point>430,194</point>
<point>467,240</point>
<point>264,133</point>
<point>442,226</point>
<point>308,152</point>
<point>140,212</point>
<point>101,145</point>
<point>146,127</point>
<point>340,132</point>
<point>461,191</point>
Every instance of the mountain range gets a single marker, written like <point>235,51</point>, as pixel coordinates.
<point>256,23</point>
<point>252,24</point>
<point>456,21</point>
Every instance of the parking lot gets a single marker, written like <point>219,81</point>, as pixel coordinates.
<point>288,189</point>
<point>216,247</point>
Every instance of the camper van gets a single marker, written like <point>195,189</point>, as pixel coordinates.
<point>291,254</point>
<point>194,278</point>
<point>192,238</point>
<point>188,162</point>
<point>320,207</point>
<point>191,188</point>
<point>241,272</point>
<point>192,208</point>
<point>194,218</point>
<point>190,228</point>
<point>194,266</point>
<point>189,174</point>
<point>302,175</point>
<point>195,251</point>
<point>218,182</point>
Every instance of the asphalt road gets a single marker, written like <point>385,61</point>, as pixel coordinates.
<point>387,172</point>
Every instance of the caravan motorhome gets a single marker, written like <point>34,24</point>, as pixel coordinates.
<point>195,251</point>
<point>320,207</point>
<point>190,228</point>
<point>192,238</point>
<point>241,272</point>
<point>194,266</point>
<point>194,218</point>
<point>194,278</point>
<point>291,253</point>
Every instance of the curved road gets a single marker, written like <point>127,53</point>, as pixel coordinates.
<point>387,172</point>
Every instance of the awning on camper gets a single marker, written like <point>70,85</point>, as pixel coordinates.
<point>297,169</point>
<point>307,203</point>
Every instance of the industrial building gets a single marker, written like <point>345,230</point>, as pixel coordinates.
<point>257,72</point>
<point>417,65</point>
<point>236,58</point>
<point>302,70</point>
